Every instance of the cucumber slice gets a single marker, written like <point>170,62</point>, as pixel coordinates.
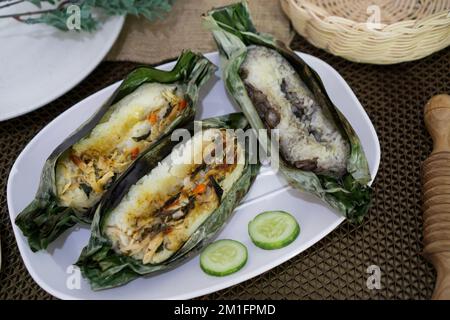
<point>223,257</point>
<point>273,229</point>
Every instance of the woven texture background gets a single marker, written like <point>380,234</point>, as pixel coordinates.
<point>334,268</point>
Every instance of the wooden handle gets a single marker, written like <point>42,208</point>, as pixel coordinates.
<point>437,121</point>
<point>436,193</point>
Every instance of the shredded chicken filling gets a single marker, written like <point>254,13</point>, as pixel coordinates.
<point>160,224</point>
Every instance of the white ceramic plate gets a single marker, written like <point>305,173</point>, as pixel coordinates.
<point>39,63</point>
<point>269,192</point>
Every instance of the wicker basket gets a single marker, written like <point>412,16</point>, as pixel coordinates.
<point>373,31</point>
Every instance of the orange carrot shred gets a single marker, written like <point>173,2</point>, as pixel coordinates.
<point>134,153</point>
<point>200,188</point>
<point>152,118</point>
<point>183,104</point>
<point>75,159</point>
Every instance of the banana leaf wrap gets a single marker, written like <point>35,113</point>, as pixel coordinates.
<point>43,220</point>
<point>234,32</point>
<point>105,268</point>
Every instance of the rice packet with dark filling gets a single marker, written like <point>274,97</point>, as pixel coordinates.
<point>319,151</point>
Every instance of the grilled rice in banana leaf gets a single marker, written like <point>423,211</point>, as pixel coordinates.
<point>148,105</point>
<point>157,217</point>
<point>319,151</point>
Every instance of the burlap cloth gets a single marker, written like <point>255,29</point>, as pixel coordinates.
<point>153,42</point>
<point>334,268</point>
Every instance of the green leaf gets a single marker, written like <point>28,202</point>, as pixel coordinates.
<point>38,3</point>
<point>59,17</point>
<point>150,9</point>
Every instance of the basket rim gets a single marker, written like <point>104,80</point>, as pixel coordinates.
<point>411,24</point>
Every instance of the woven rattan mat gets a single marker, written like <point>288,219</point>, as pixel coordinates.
<point>334,268</point>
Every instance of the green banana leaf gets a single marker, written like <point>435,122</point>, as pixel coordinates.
<point>43,220</point>
<point>233,31</point>
<point>105,268</point>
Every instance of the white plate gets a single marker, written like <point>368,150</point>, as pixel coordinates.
<point>269,192</point>
<point>39,63</point>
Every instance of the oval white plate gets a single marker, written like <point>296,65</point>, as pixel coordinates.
<point>39,63</point>
<point>269,192</point>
